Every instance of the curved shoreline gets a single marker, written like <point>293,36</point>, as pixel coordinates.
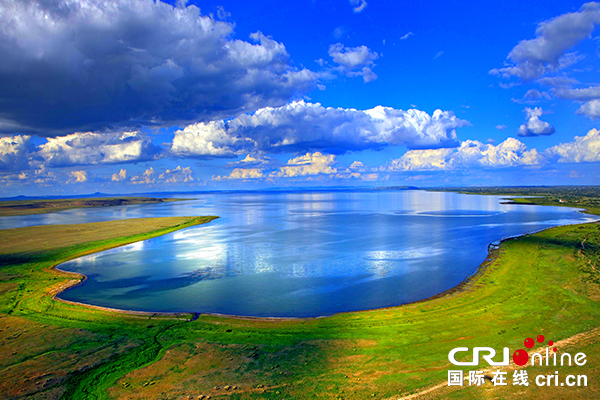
<point>492,255</point>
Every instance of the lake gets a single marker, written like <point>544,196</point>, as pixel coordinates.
<point>298,254</point>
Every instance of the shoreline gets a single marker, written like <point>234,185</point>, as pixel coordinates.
<point>493,253</point>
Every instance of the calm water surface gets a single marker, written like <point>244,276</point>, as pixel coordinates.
<point>298,254</point>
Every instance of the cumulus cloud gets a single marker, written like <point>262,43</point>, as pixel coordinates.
<point>42,176</point>
<point>148,177</point>
<point>534,94</point>
<point>308,164</point>
<point>590,109</point>
<point>358,5</point>
<point>534,126</point>
<point>501,127</point>
<point>354,61</point>
<point>585,94</point>
<point>177,175</point>
<point>208,140</point>
<point>78,177</point>
<point>169,176</point>
<point>548,51</point>
<point>471,153</point>
<point>242,174</point>
<point>582,149</point>
<point>126,63</point>
<point>357,165</point>
<point>301,126</point>
<point>88,148</point>
<point>250,161</point>
<point>14,152</point>
<point>119,176</point>
<point>590,96</point>
<point>557,81</point>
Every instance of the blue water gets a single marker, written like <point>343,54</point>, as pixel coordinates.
<point>299,254</point>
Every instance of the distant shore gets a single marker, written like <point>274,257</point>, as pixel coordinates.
<point>30,207</point>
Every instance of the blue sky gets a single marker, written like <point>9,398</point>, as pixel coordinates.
<point>131,96</point>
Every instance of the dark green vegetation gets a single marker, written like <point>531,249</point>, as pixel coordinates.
<point>587,197</point>
<point>545,283</point>
<point>25,207</point>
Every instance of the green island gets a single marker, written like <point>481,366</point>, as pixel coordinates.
<point>27,207</point>
<point>545,283</point>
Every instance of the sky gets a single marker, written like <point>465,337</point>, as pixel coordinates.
<point>133,96</point>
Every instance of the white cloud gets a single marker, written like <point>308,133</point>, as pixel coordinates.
<point>308,164</point>
<point>471,153</point>
<point>357,165</point>
<point>96,148</point>
<point>354,61</point>
<point>250,161</point>
<point>177,175</point>
<point>557,81</point>
<point>147,177</point>
<point>358,5</point>
<point>534,126</point>
<point>586,94</point>
<point>222,14</point>
<point>590,109</point>
<point>125,63</point>
<point>582,149</point>
<point>14,152</point>
<point>301,126</point>
<point>78,177</point>
<point>501,127</point>
<point>44,177</point>
<point>534,94</point>
<point>547,52</point>
<point>207,139</point>
<point>243,174</point>
<point>438,55</point>
<point>119,176</point>
<point>406,36</point>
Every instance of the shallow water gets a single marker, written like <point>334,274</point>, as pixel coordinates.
<point>299,254</point>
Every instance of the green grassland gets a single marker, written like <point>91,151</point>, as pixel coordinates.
<point>547,283</point>
<point>27,207</point>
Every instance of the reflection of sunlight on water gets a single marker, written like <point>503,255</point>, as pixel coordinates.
<point>213,252</point>
<point>380,262</point>
<point>263,257</point>
<point>311,204</point>
<point>299,270</point>
<point>190,235</point>
<point>137,246</point>
<point>459,214</point>
<point>92,258</point>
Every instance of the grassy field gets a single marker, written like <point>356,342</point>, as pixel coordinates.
<point>27,207</point>
<point>547,283</point>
